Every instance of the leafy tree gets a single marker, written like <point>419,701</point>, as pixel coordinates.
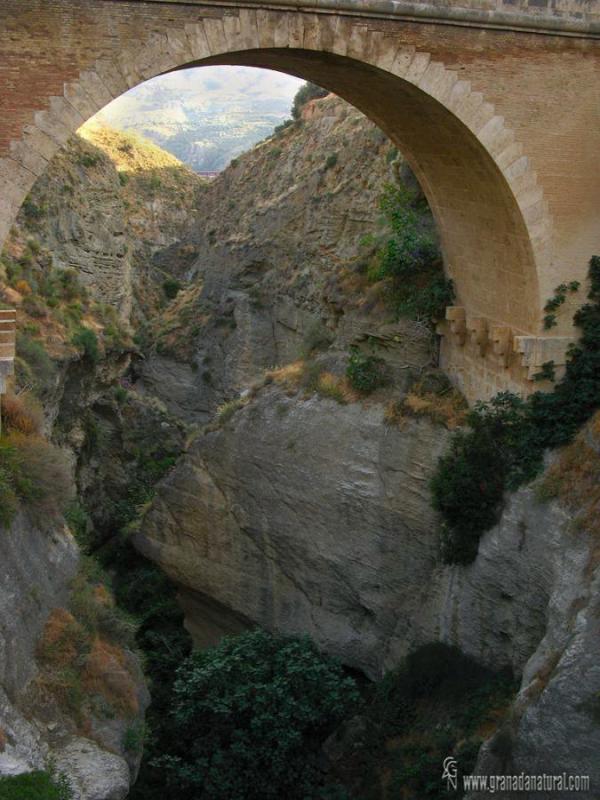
<point>309,91</point>
<point>504,445</point>
<point>251,716</point>
<point>469,483</point>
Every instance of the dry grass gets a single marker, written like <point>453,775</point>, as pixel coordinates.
<point>288,377</point>
<point>106,673</point>
<point>448,408</point>
<point>21,413</point>
<point>64,641</point>
<point>48,469</point>
<point>81,663</point>
<point>311,377</point>
<point>574,478</point>
<point>336,388</point>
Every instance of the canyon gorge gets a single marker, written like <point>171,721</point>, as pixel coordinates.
<point>192,360</point>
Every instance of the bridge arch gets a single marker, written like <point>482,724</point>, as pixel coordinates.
<point>489,209</point>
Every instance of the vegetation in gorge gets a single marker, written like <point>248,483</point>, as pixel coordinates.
<point>410,262</point>
<point>39,785</point>
<point>149,597</point>
<point>251,715</point>
<point>83,653</point>
<point>438,703</point>
<point>140,451</point>
<point>504,445</point>
<point>365,373</point>
<point>33,472</point>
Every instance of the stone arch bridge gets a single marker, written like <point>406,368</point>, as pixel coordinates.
<point>495,104</point>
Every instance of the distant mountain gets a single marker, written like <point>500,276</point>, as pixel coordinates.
<point>208,115</point>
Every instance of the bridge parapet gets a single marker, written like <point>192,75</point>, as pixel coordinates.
<point>551,17</point>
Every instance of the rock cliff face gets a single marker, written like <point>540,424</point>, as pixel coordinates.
<point>303,516</point>
<point>72,692</point>
<point>300,514</point>
<point>301,506</point>
<point>285,237</point>
<point>38,567</point>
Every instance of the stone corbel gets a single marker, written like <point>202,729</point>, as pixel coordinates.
<point>502,342</point>
<point>477,329</point>
<point>536,351</point>
<point>457,317</point>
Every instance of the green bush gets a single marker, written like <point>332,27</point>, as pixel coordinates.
<point>86,341</point>
<point>251,717</point>
<point>410,261</point>
<point>34,365</point>
<point>331,161</point>
<point>89,160</point>
<point>307,92</point>
<point>32,211</point>
<point>507,437</point>
<point>171,288</point>
<point>38,785</point>
<point>365,373</point>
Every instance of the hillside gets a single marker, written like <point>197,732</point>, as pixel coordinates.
<point>205,116</point>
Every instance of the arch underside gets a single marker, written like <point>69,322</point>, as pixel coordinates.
<point>487,249</point>
<point>482,191</point>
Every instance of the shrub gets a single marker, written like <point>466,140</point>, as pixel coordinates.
<point>226,411</point>
<point>469,482</point>
<point>89,160</point>
<point>83,663</point>
<point>34,306</point>
<point>120,394</point>
<point>251,715</point>
<point>505,444</point>
<point>280,128</point>
<point>365,373</point>
<point>410,260</point>
<point>428,397</point>
<point>40,371</point>
<point>39,785</point>
<point>123,178</point>
<point>21,413</point>
<point>309,91</point>
<point>331,161</point>
<point>23,287</point>
<point>86,341</point>
<point>35,472</point>
<point>316,337</point>
<point>69,285</point>
<point>78,521</point>
<point>171,288</point>
<point>45,478</point>
<point>32,211</point>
